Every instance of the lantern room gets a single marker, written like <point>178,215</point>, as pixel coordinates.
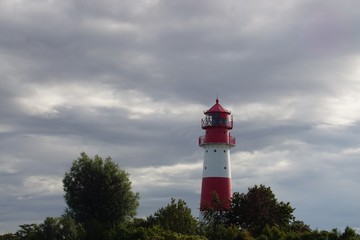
<point>217,123</point>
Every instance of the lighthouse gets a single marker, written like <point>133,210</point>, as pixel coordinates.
<point>217,142</point>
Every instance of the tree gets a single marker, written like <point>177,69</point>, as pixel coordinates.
<point>69,230</point>
<point>215,213</point>
<point>29,232</point>
<point>349,234</point>
<point>273,233</point>
<point>51,229</point>
<point>298,226</point>
<point>8,236</point>
<point>98,191</point>
<point>176,217</point>
<point>257,209</point>
<point>158,233</point>
<point>60,228</point>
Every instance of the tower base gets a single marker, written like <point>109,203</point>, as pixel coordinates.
<point>215,193</point>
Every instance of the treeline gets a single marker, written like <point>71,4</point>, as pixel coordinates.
<point>101,205</point>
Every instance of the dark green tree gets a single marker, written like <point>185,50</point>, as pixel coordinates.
<point>298,226</point>
<point>29,232</point>
<point>349,234</point>
<point>51,229</point>
<point>215,213</point>
<point>273,233</point>
<point>334,234</point>
<point>159,233</point>
<point>8,236</point>
<point>60,228</point>
<point>69,229</point>
<point>259,208</point>
<point>176,217</point>
<point>98,192</point>
<point>318,235</point>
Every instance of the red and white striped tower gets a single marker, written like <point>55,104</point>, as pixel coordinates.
<point>217,143</point>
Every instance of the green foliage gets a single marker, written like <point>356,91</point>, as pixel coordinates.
<point>127,232</point>
<point>256,215</point>
<point>176,217</point>
<point>50,229</point>
<point>60,228</point>
<point>95,229</point>
<point>215,231</point>
<point>349,234</point>
<point>259,208</point>
<point>272,233</point>
<point>98,192</point>
<point>29,232</point>
<point>334,234</point>
<point>215,213</point>
<point>8,236</point>
<point>223,232</point>
<point>131,230</point>
<point>69,229</point>
<point>323,235</point>
<point>299,227</point>
<point>158,233</point>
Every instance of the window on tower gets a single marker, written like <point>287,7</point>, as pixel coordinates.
<point>223,121</point>
<point>214,118</point>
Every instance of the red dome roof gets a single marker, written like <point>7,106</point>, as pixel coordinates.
<point>217,108</point>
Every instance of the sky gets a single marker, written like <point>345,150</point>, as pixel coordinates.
<point>131,79</point>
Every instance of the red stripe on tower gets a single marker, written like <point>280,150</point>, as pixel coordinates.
<point>217,142</point>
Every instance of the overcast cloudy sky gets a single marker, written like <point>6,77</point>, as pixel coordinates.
<point>131,79</point>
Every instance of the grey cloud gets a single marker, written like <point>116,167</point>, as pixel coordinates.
<point>287,59</point>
